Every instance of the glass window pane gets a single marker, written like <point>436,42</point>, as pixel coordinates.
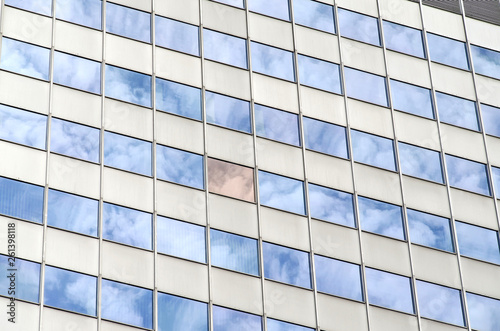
<point>319,74</point>
<point>358,26</point>
<point>128,86</point>
<point>128,22</point>
<point>491,119</point>
<point>83,12</point>
<point>176,313</point>
<point>272,61</point>
<point>483,312</point>
<point>226,319</point>
<point>365,86</point>
<point>236,3</point>
<point>43,7</point>
<point>224,48</point>
<point>477,242</point>
<point>429,230</point>
<point>447,51</point>
<point>230,179</point>
<point>331,205</point>
<point>389,290</point>
<point>275,325</point>
<point>496,180</point>
<point>127,153</point>
<point>412,99</point>
<point>234,252</point>
<point>176,35</point>
<point>380,217</point>
<point>275,8</point>
<point>314,14</point>
<point>277,125</point>
<point>179,166</point>
<point>373,150</point>
<point>467,175</point>
<point>286,265</point>
<point>338,278</point>
<point>23,127</point>
<point>486,61</point>
<point>25,59</point>
<point>228,112</point>
<point>74,140</point>
<point>403,39</point>
<point>420,162</point>
<point>325,137</point>
<point>178,99</point>
<point>440,303</point>
<point>77,72</point>
<point>181,239</point>
<point>27,278</point>
<point>457,111</point>
<point>281,192</point>
<point>21,200</point>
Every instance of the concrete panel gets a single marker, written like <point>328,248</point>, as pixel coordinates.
<point>363,56</point>
<point>57,320</point>
<point>275,93</point>
<point>179,132</point>
<point>387,320</point>
<point>464,143</point>
<point>141,5</point>
<point>370,118</point>
<point>224,18</point>
<point>377,184</point>
<point>416,130</point>
<point>435,266</point>
<point>272,32</point>
<point>443,22</point>
<point>186,10</point>
<point>230,145</point>
<point>429,325</point>
<point>26,26</point>
<point>408,69</point>
<point>110,326</point>
<point>336,241</point>
<point>13,92</point>
<point>368,7</point>
<point>227,80</point>
<point>341,314</point>
<point>177,66</point>
<point>124,118</point>
<point>284,228</point>
<point>129,54</point>
<point>481,278</point>
<point>75,39</point>
<point>487,90</point>
<point>322,105</point>
<point>402,12</point>
<point>181,202</point>
<point>386,254</point>
<point>493,146</point>
<point>426,196</point>
<point>27,316</point>
<point>317,44</point>
<point>29,237</point>
<point>233,215</point>
<point>280,158</point>
<point>76,106</point>
<point>319,171</point>
<point>473,208</point>
<point>453,81</point>
<point>482,33</point>
<point>26,164</point>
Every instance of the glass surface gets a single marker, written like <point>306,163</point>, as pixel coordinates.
<point>83,12</point>
<point>126,304</point>
<point>389,290</point>
<point>70,291</point>
<point>128,22</point>
<point>236,3</point>
<point>403,39</point>
<point>381,217</point>
<point>228,112</point>
<point>457,111</point>
<point>176,35</point>
<point>491,119</point>
<point>234,252</point>
<point>127,153</point>
<point>447,51</point>
<point>21,200</point>
<point>23,127</point>
<point>477,242</point>
<point>72,212</point>
<point>272,61</point>
<point>25,59</point>
<point>314,14</point>
<point>496,180</point>
<point>358,26</point>
<point>467,175</point>
<point>412,99</point>
<point>429,230</point>
<point>127,226</point>
<point>420,162</point>
<point>483,312</point>
<point>338,278</point>
<point>43,7</point>
<point>275,8</point>
<point>331,205</point>
<point>275,325</point>
<point>178,99</point>
<point>286,265</point>
<point>231,180</point>
<point>27,278</point>
<point>373,150</point>
<point>486,61</point>
<point>225,319</point>
<point>365,86</point>
<point>128,86</point>
<point>77,72</point>
<point>277,125</point>
<point>74,140</point>
<point>176,313</point>
<point>319,74</point>
<point>440,303</point>
<point>281,192</point>
<point>325,137</point>
<point>179,166</point>
<point>224,48</point>
<point>180,239</point>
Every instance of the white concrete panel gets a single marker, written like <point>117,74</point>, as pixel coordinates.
<point>275,93</point>
<point>481,278</point>
<point>319,171</point>
<point>487,90</point>
<point>233,215</point>
<point>29,238</point>
<point>429,325</point>
<point>370,118</point>
<point>26,26</point>
<point>280,158</point>
<point>13,92</point>
<point>493,146</point>
<point>284,228</point>
<point>75,39</point>
<point>435,266</point>
<point>129,54</point>
<point>179,132</point>
<point>402,12</point>
<point>185,10</point>
<point>230,145</point>
<point>26,164</point>
<point>443,22</point>
<point>417,130</point>
<point>377,183</point>
<point>228,80</point>
<point>473,208</point>
<point>57,320</point>
<point>177,66</point>
<point>317,44</point>
<point>453,81</point>
<point>387,320</point>
<point>386,254</point>
<point>271,32</point>
<point>336,241</point>
<point>77,106</point>
<point>141,5</point>
<point>128,119</point>
<point>27,316</point>
<point>340,314</point>
<point>322,105</point>
<point>224,18</point>
<point>426,196</point>
<point>464,143</point>
<point>408,69</point>
<point>363,56</point>
<point>368,7</point>
<point>181,202</point>
<point>110,326</point>
<point>482,33</point>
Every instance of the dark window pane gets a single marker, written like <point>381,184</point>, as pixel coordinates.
<point>314,14</point>
<point>338,278</point>
<point>231,180</point>
<point>27,279</point>
<point>176,35</point>
<point>358,26</point>
<point>275,8</point>
<point>491,119</point>
<point>272,61</point>
<point>412,99</point>
<point>420,162</point>
<point>275,325</point>
<point>281,192</point>
<point>457,111</point>
<point>365,86</point>
<point>77,72</point>
<point>226,319</point>
<point>128,22</point>
<point>176,313</point>
<point>389,290</point>
<point>483,312</point>
<point>74,140</point>
<point>331,205</point>
<point>486,61</point>
<point>477,242</point>
<point>234,252</point>
<point>447,51</point>
<point>228,112</point>
<point>179,166</point>
<point>429,230</point>
<point>380,217</point>
<point>127,153</point>
<point>224,48</point>
<point>23,127</point>
<point>325,137</point>
<point>43,7</point>
<point>128,86</point>
<point>178,99</point>
<point>319,74</point>
<point>467,175</point>
<point>403,39</point>
<point>373,150</point>
<point>25,59</point>
<point>181,239</point>
<point>84,12</point>
<point>440,303</point>
<point>277,125</point>
<point>21,200</point>
<point>286,265</point>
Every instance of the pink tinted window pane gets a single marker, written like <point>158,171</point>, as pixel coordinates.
<point>231,180</point>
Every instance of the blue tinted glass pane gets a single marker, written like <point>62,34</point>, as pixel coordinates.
<point>429,230</point>
<point>181,239</point>
<point>272,61</point>
<point>373,150</point>
<point>236,3</point>
<point>325,137</point>
<point>277,125</point>
<point>478,242</point>
<point>483,312</point>
<point>26,278</point>
<point>127,153</point>
<point>420,162</point>
<point>314,14</point>
<point>457,111</point>
<point>403,39</point>
<point>286,265</point>
<point>116,299</point>
<point>411,99</point>
<point>389,290</point>
<point>467,175</point>
<point>320,74</point>
<point>77,72</point>
<point>275,8</point>
<point>234,252</point>
<point>25,59</point>
<point>447,51</point>
<point>72,212</point>
<point>225,319</point>
<point>440,303</point>
<point>128,86</point>
<point>176,35</point>
<point>70,290</point>
<point>365,86</point>
<point>224,48</point>
<point>380,217</point>
<point>179,166</point>
<point>331,205</point>
<point>127,226</point>
<point>228,112</point>
<point>21,200</point>
<point>496,179</point>
<point>486,61</point>
<point>338,278</point>
<point>22,127</point>
<point>281,192</point>
<point>175,313</point>
<point>358,26</point>
<point>178,99</point>
<point>38,6</point>
<point>84,12</point>
<point>275,325</point>
<point>128,22</point>
<point>75,140</point>
<point>491,119</point>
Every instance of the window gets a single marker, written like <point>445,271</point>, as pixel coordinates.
<point>429,230</point>
<point>281,192</point>
<point>27,279</point>
<point>21,200</point>
<point>23,127</point>
<point>403,39</point>
<point>43,7</point>
<point>178,99</point>
<point>491,119</point>
<point>231,180</point>
<point>228,112</point>
<point>74,140</point>
<point>225,319</point>
<point>128,86</point>
<point>389,290</point>
<point>77,72</point>
<point>272,61</point>
<point>420,162</point>
<point>83,12</point>
<point>277,125</point>
<point>236,3</point>
<point>325,137</point>
<point>365,86</point>
<point>447,51</point>
<point>276,8</point>
<point>181,239</point>
<point>319,74</point>
<point>486,61</point>
<point>440,303</point>
<point>477,242</point>
<point>176,35</point>
<point>411,99</point>
<point>358,26</point>
<point>381,217</point>
<point>224,48</point>
<point>467,175</point>
<point>373,150</point>
<point>496,180</point>
<point>314,14</point>
<point>338,278</point>
<point>234,252</point>
<point>176,313</point>
<point>275,325</point>
<point>127,153</point>
<point>457,111</point>
<point>179,166</point>
<point>286,265</point>
<point>483,312</point>
<point>25,59</point>
<point>331,205</point>
<point>128,22</point>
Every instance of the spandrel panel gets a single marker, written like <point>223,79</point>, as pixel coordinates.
<point>314,14</point>
<point>77,72</point>
<point>275,325</point>
<point>358,26</point>
<point>373,150</point>
<point>127,153</point>
<point>339,278</point>
<point>277,125</point>
<point>447,51</point>
<point>365,86</point>
<point>440,303</point>
<point>331,205</point>
<point>491,119</point>
<point>179,166</point>
<point>176,313</point>
<point>286,265</point>
<point>381,217</point>
<point>412,99</point>
<point>234,252</point>
<point>127,85</point>
<point>403,39</point>
<point>272,61</point>
<point>25,59</point>
<point>21,200</point>
<point>477,242</point>
<point>83,12</point>
<point>225,48</point>
<point>420,162</point>
<point>486,61</point>
<point>319,74</point>
<point>457,111</point>
<point>225,319</point>
<point>228,112</point>
<point>27,279</point>
<point>467,175</point>
<point>281,192</point>
<point>430,230</point>
<point>230,180</point>
<point>43,7</point>
<point>178,99</point>
<point>483,312</point>
<point>389,290</point>
<point>181,239</point>
<point>128,22</point>
<point>276,8</point>
<point>236,3</point>
<point>74,140</point>
<point>325,137</point>
<point>23,127</point>
<point>177,35</point>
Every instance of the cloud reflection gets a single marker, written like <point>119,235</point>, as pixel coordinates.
<point>389,290</point>
<point>373,150</point>
<point>272,61</point>
<point>457,111</point>
<point>331,205</point>
<point>77,72</point>
<point>224,48</point>
<point>234,252</point>
<point>483,312</point>
<point>381,217</point>
<point>225,319</point>
<point>491,119</point>
<point>467,175</point>
<point>176,35</point>
<point>440,303</point>
<point>178,99</point>
<point>365,86</point>
<point>75,140</point>
<point>23,127</point>
<point>447,51</point>
<point>338,278</point>
<point>477,242</point>
<point>128,86</point>
<point>325,137</point>
<point>403,39</point>
<point>486,61</point>
<point>281,192</point>
<point>358,26</point>
<point>128,22</point>
<point>83,12</point>
<point>430,230</point>
<point>412,99</point>
<point>231,180</point>
<point>25,59</point>
<point>286,265</point>
<point>181,239</point>
<point>179,166</point>
<point>320,74</point>
<point>228,112</point>
<point>127,153</point>
<point>314,14</point>
<point>420,162</point>
<point>27,280</point>
<point>277,125</point>
<point>176,313</point>
<point>43,7</point>
<point>275,8</point>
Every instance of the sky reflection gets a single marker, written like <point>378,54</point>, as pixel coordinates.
<point>228,112</point>
<point>440,303</point>
<point>483,312</point>
<point>127,153</point>
<point>43,7</point>
<point>325,137</point>
<point>83,12</point>
<point>486,61</point>
<point>338,278</point>
<point>234,252</point>
<point>128,86</point>
<point>420,162</point>
<point>319,74</point>
<point>176,35</point>
<point>225,319</point>
<point>74,140</point>
<point>403,39</point>
<point>389,290</point>
<point>447,51</point>
<point>181,239</point>
<point>286,265</point>
<point>27,279</point>
<point>231,180</point>
<point>477,242</point>
<point>491,119</point>
<point>314,14</point>
<point>430,230</point>
<point>179,166</point>
<point>373,150</point>
<point>277,125</point>
<point>23,127</point>
<point>275,8</point>
<point>224,48</point>
<point>176,313</point>
<point>457,111</point>
<point>21,200</point>
<point>358,26</point>
<point>77,72</point>
<point>331,205</point>
<point>467,175</point>
<point>380,217</point>
<point>365,86</point>
<point>272,61</point>
<point>496,180</point>
<point>412,99</point>
<point>275,325</point>
<point>128,22</point>
<point>281,192</point>
<point>178,99</point>
<point>25,59</point>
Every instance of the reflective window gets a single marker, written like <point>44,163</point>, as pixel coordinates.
<point>83,12</point>
<point>226,319</point>
<point>314,14</point>
<point>74,140</point>
<point>21,200</point>
<point>420,162</point>
<point>43,7</point>
<point>281,192</point>
<point>23,127</point>
<point>319,74</point>
<point>127,226</point>
<point>496,180</point>
<point>389,290</point>
<point>128,22</point>
<point>179,166</point>
<point>272,61</point>
<point>117,298</point>
<point>483,312</point>
<point>373,150</point>
<point>491,119</point>
<point>429,230</point>
<point>486,61</point>
<point>277,125</point>
<point>477,242</point>
<point>25,59</point>
<point>236,3</point>
<point>403,39</point>
<point>381,217</point>
<point>447,51</point>
<point>77,72</point>
<point>176,35</point>
<point>358,26</point>
<point>176,313</point>
<point>275,325</point>
<point>275,8</point>
<point>457,111</point>
<point>127,153</point>
<point>27,278</point>
<point>411,99</point>
<point>228,112</point>
<point>286,265</point>
<point>467,175</point>
<point>178,99</point>
<point>70,291</point>
<point>224,48</point>
<point>72,212</point>
<point>440,303</point>
<point>338,278</point>
<point>230,179</point>
<point>234,252</point>
<point>180,239</point>
<point>331,205</point>
<point>365,86</point>
<point>128,86</point>
<point>325,137</point>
